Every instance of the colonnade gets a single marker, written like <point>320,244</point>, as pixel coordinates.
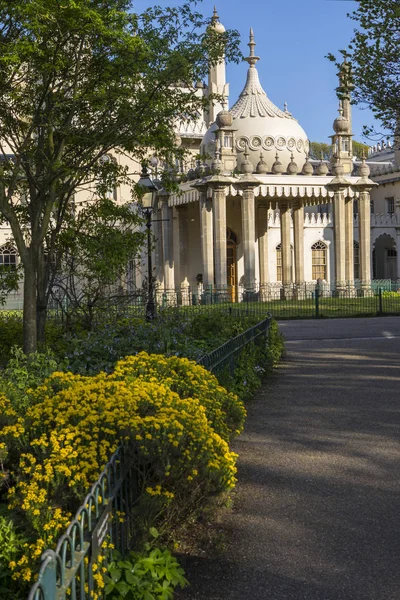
<point>172,256</point>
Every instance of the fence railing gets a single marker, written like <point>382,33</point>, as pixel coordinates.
<point>225,356</point>
<point>67,571</point>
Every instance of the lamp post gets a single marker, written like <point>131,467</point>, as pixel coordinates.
<point>147,205</point>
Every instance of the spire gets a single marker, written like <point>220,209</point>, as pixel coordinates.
<point>252,59</point>
<point>215,16</point>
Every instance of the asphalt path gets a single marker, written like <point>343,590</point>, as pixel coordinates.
<point>317,507</point>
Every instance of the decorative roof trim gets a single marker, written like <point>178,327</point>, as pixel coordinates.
<point>254,102</point>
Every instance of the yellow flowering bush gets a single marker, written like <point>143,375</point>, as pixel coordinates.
<point>224,411</point>
<point>178,440</point>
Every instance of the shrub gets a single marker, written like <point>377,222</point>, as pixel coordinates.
<point>72,428</point>
<point>10,334</point>
<point>225,413</point>
<point>11,547</point>
<point>254,362</point>
<point>24,372</point>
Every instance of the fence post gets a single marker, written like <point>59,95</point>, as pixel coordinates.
<point>316,301</point>
<point>380,309</point>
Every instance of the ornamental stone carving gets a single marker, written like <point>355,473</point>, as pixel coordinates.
<point>268,142</point>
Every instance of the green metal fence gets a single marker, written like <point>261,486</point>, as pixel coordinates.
<point>67,571</point>
<point>292,302</point>
<point>225,356</point>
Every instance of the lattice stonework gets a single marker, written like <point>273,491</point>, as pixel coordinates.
<point>318,260</point>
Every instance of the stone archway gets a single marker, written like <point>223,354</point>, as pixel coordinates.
<point>384,258</point>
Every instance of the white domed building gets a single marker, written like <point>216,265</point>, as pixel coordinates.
<point>258,216</point>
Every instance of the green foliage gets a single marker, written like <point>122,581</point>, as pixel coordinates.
<point>10,334</point>
<point>374,53</point>
<point>151,574</point>
<point>95,244</point>
<point>11,546</point>
<point>388,294</point>
<point>24,372</point>
<point>276,345</point>
<point>359,149</point>
<point>254,363</point>
<point>170,334</point>
<point>320,150</point>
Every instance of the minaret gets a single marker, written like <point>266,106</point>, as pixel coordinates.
<point>217,77</point>
<point>342,139</point>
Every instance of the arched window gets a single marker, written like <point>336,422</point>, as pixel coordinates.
<point>279,262</point>
<point>356,250</point>
<point>8,257</point>
<point>318,260</point>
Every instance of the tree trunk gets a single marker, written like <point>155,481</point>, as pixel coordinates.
<point>41,301</point>
<point>29,319</point>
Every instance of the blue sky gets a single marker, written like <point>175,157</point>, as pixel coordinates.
<point>293,37</point>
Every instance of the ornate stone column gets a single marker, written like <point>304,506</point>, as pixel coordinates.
<point>262,235</point>
<point>219,183</point>
<point>167,245</point>
<point>349,250</point>
<point>176,241</point>
<point>364,185</point>
<point>247,183</point>
<point>206,236</point>
<point>157,251</point>
<point>298,236</point>
<point>219,224</point>
<point>339,185</point>
<point>285,218</point>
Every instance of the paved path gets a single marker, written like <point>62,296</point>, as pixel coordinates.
<point>317,508</point>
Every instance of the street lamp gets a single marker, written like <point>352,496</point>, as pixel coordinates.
<point>148,200</point>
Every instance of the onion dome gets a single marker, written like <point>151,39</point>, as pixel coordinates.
<point>363,170</point>
<point>260,125</point>
<point>224,119</point>
<point>277,167</point>
<point>337,168</point>
<point>247,167</point>
<point>322,168</point>
<point>307,167</point>
<point>262,166</point>
<point>215,24</point>
<point>340,124</point>
<point>191,174</point>
<point>292,168</point>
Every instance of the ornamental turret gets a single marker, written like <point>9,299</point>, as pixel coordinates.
<point>342,139</point>
<point>217,77</point>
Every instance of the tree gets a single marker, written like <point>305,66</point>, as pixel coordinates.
<point>320,150</point>
<point>82,78</point>
<point>94,249</point>
<point>374,53</point>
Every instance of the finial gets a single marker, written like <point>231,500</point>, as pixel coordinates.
<point>285,107</point>
<point>252,59</point>
<point>215,16</point>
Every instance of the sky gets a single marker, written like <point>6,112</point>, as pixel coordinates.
<point>293,38</point>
